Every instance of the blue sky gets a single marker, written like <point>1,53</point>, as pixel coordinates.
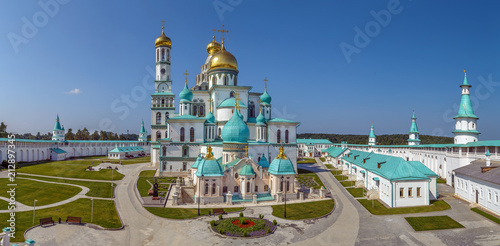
<point>105,49</point>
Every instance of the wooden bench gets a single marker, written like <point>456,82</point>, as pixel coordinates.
<point>46,221</point>
<point>71,219</point>
<point>217,211</point>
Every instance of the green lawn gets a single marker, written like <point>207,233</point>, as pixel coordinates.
<point>4,205</point>
<point>306,161</point>
<point>46,193</point>
<point>302,211</point>
<point>184,213</point>
<point>304,176</point>
<point>356,192</point>
<point>347,183</point>
<point>97,189</point>
<point>131,161</point>
<point>487,215</point>
<point>143,186</point>
<point>105,215</point>
<point>440,180</point>
<point>336,172</point>
<point>380,209</point>
<point>329,166</point>
<point>322,159</point>
<point>433,223</point>
<point>71,169</point>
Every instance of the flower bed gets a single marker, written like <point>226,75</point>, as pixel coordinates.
<point>243,227</point>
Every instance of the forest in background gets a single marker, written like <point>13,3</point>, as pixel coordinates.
<point>394,139</point>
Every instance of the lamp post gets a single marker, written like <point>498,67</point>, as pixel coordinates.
<point>92,211</point>
<point>34,208</point>
<point>199,193</point>
<point>284,190</point>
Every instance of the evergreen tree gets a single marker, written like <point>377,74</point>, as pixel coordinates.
<point>3,130</point>
<point>70,135</point>
<point>95,136</point>
<point>78,135</point>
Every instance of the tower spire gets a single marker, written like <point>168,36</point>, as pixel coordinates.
<point>223,31</point>
<point>186,74</point>
<point>265,83</point>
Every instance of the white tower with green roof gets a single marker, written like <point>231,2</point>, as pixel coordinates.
<point>372,139</point>
<point>465,121</point>
<point>58,132</point>
<point>143,134</point>
<point>413,138</point>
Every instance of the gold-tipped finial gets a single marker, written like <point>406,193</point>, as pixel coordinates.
<point>210,104</point>
<point>281,155</point>
<point>465,72</point>
<point>236,99</point>
<point>186,74</point>
<point>246,150</point>
<point>223,31</point>
<point>265,83</point>
<point>210,155</point>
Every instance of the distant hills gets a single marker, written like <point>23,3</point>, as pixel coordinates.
<point>395,139</point>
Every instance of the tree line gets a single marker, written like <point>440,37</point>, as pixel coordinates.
<point>394,139</point>
<point>70,135</point>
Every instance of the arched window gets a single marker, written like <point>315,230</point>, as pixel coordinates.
<point>278,136</point>
<point>251,109</point>
<point>286,136</point>
<point>195,110</point>
<point>266,188</point>
<point>163,54</point>
<point>168,55</point>
<point>202,112</point>
<point>219,132</point>
<point>231,94</point>
<point>287,185</point>
<point>224,189</point>
<point>206,188</point>
<point>235,80</point>
<point>164,153</point>
<point>236,189</point>
<point>163,102</point>
<point>191,134</point>
<point>157,55</point>
<point>225,79</point>
<point>185,151</point>
<point>158,118</point>
<point>167,115</point>
<point>248,187</point>
<point>182,134</point>
<point>213,189</point>
<point>158,135</point>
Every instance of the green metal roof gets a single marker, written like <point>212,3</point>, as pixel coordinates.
<point>142,128</point>
<point>263,162</point>
<point>57,126</point>
<point>372,134</point>
<point>186,117</point>
<point>466,131</point>
<point>210,117</point>
<point>247,170</point>
<point>311,141</point>
<point>281,166</point>
<point>58,150</point>
<point>279,120</point>
<point>197,162</point>
<point>265,98</point>
<point>209,168</point>
<point>229,103</point>
<point>488,153</point>
<point>127,149</point>
<point>335,151</point>
<point>186,94</point>
<point>414,128</point>
<point>261,120</point>
<point>235,130</point>
<point>162,94</point>
<point>233,162</point>
<point>465,109</point>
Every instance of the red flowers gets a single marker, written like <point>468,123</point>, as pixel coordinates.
<point>247,224</point>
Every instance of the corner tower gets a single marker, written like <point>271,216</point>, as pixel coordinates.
<point>372,139</point>
<point>58,132</point>
<point>465,121</point>
<point>413,138</point>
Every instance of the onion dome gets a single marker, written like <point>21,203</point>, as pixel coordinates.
<point>223,59</point>
<point>247,170</point>
<point>163,40</point>
<point>209,167</point>
<point>261,120</point>
<point>265,98</point>
<point>210,117</point>
<point>281,165</point>
<point>213,47</point>
<point>263,162</point>
<point>235,130</point>
<point>197,162</point>
<point>186,94</point>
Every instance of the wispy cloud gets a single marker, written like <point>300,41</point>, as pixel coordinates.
<point>75,91</point>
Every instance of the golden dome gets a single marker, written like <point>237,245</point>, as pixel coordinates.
<point>213,47</point>
<point>163,40</point>
<point>223,59</point>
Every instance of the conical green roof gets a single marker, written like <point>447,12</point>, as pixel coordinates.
<point>372,133</point>
<point>142,128</point>
<point>186,94</point>
<point>465,109</point>
<point>235,130</point>
<point>58,127</point>
<point>413,128</point>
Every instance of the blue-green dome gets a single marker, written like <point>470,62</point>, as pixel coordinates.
<point>247,170</point>
<point>263,162</point>
<point>229,103</point>
<point>235,130</point>
<point>197,162</point>
<point>209,168</point>
<point>265,98</point>
<point>186,94</point>
<point>260,119</point>
<point>282,165</point>
<point>210,117</point>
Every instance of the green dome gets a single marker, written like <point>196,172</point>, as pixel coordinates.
<point>197,162</point>
<point>265,98</point>
<point>260,119</point>
<point>281,167</point>
<point>235,130</point>
<point>247,170</point>
<point>186,94</point>
<point>229,103</point>
<point>210,117</point>
<point>209,168</point>
<point>263,162</point>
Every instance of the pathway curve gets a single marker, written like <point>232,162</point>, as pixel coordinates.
<point>76,179</point>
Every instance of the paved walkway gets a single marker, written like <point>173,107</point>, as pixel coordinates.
<point>77,179</point>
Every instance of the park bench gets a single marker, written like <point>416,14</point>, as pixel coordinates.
<point>71,219</point>
<point>217,211</point>
<point>46,221</point>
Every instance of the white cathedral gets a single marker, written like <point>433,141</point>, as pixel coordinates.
<point>223,132</point>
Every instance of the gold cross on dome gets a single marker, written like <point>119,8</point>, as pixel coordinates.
<point>265,81</point>
<point>210,104</point>
<point>223,31</point>
<point>186,74</point>
<point>246,150</point>
<point>162,24</point>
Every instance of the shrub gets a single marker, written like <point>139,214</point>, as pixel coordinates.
<point>274,222</point>
<point>241,214</point>
<point>221,231</point>
<point>220,216</point>
<point>261,216</point>
<point>245,234</point>
<point>268,230</point>
<point>212,223</point>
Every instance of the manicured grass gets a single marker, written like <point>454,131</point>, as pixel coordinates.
<point>336,172</point>
<point>97,189</point>
<point>322,159</point>
<point>257,227</point>
<point>46,193</point>
<point>440,181</point>
<point>356,192</point>
<point>347,183</point>
<point>143,186</point>
<point>131,161</point>
<point>433,223</point>
<point>71,169</point>
<point>487,215</point>
<point>306,161</point>
<point>380,209</point>
<point>329,166</point>
<point>302,211</point>
<point>184,213</point>
<point>4,204</point>
<point>304,176</point>
<point>105,215</point>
